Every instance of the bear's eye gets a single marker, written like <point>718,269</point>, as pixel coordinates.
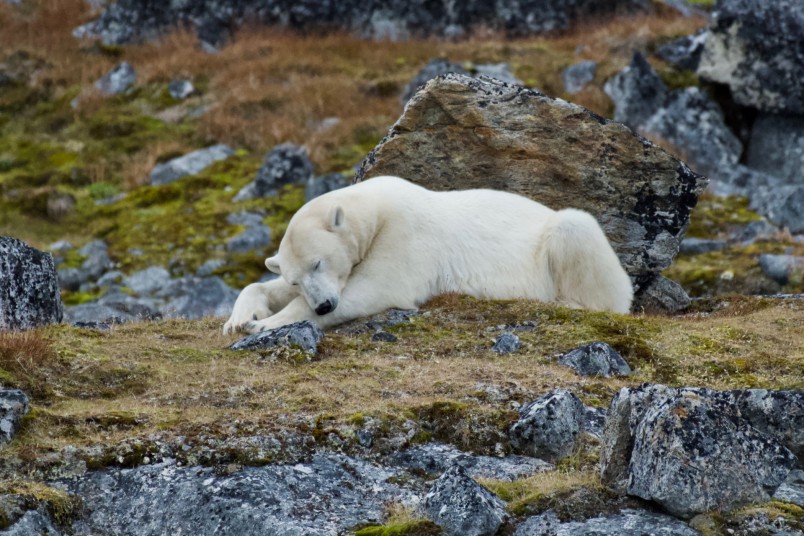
<point>317,266</point>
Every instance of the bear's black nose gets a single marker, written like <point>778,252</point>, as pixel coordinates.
<point>324,308</point>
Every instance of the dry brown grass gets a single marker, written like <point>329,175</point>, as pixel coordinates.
<point>271,86</point>
<point>28,361</point>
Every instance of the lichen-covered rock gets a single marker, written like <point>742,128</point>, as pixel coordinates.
<point>118,80</point>
<point>462,507</point>
<point>755,48</point>
<point>304,335</point>
<point>14,405</point>
<point>548,428</point>
<point>435,458</point>
<point>189,164</point>
<point>329,495</point>
<point>596,359</point>
<point>549,150</point>
<point>718,423</point>
<point>594,419</point>
<point>690,458</point>
<point>627,523</point>
<point>128,21</point>
<point>777,147</point>
<point>196,297</point>
<point>148,281</point>
<point>284,164</point>
<point>577,75</point>
<point>506,343</point>
<point>792,489</point>
<point>252,238</point>
<point>435,67</point>
<point>637,92</point>
<point>29,287</point>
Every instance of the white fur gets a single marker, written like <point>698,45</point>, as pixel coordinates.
<point>388,243</point>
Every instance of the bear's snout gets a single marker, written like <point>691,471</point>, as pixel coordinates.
<point>325,307</point>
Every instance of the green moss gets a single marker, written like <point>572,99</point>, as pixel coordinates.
<point>413,528</point>
<point>714,216</point>
<point>77,298</point>
<point>62,506</point>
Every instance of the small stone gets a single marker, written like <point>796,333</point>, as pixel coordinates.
<point>247,219</point>
<point>697,246</point>
<point>462,507</point>
<point>284,164</point>
<point>14,405</point>
<point>102,326</point>
<point>661,295</point>
<point>548,428</point>
<point>596,359</point>
<point>304,335</point>
<point>148,281</point>
<point>181,89</point>
<point>506,343</point>
<point>118,80</point>
<point>256,237</point>
<point>576,76</point>
<point>189,164</point>
<point>384,336</point>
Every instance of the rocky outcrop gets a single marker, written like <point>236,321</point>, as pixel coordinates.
<point>303,335</point>
<point>754,47</point>
<point>14,405</point>
<point>127,21</point>
<point>329,495</point>
<point>284,164</point>
<point>462,507</point>
<point>554,152</point>
<point>189,164</point>
<point>29,287</point>
<point>548,428</point>
<point>596,359</point>
<point>693,450</point>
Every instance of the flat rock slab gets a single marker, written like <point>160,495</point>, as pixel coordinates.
<point>460,133</point>
<point>627,523</point>
<point>304,335</point>
<point>29,287</point>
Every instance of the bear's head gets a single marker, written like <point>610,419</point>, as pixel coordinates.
<point>317,255</point>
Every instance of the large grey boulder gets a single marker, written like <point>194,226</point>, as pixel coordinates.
<point>128,21</point>
<point>29,287</point>
<point>303,335</point>
<point>693,449</point>
<point>783,205</point>
<point>692,123</point>
<point>461,133</point>
<point>462,507</point>
<point>755,48</point>
<point>118,80</point>
<point>328,495</point>
<point>776,147</point>
<point>549,428</point>
<point>284,164</point>
<point>627,523</point>
<point>691,458</point>
<point>14,405</point>
<point>189,164</point>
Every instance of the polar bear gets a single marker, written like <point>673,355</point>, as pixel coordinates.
<point>387,242</point>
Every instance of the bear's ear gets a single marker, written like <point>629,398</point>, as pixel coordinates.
<point>336,219</point>
<point>272,263</point>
